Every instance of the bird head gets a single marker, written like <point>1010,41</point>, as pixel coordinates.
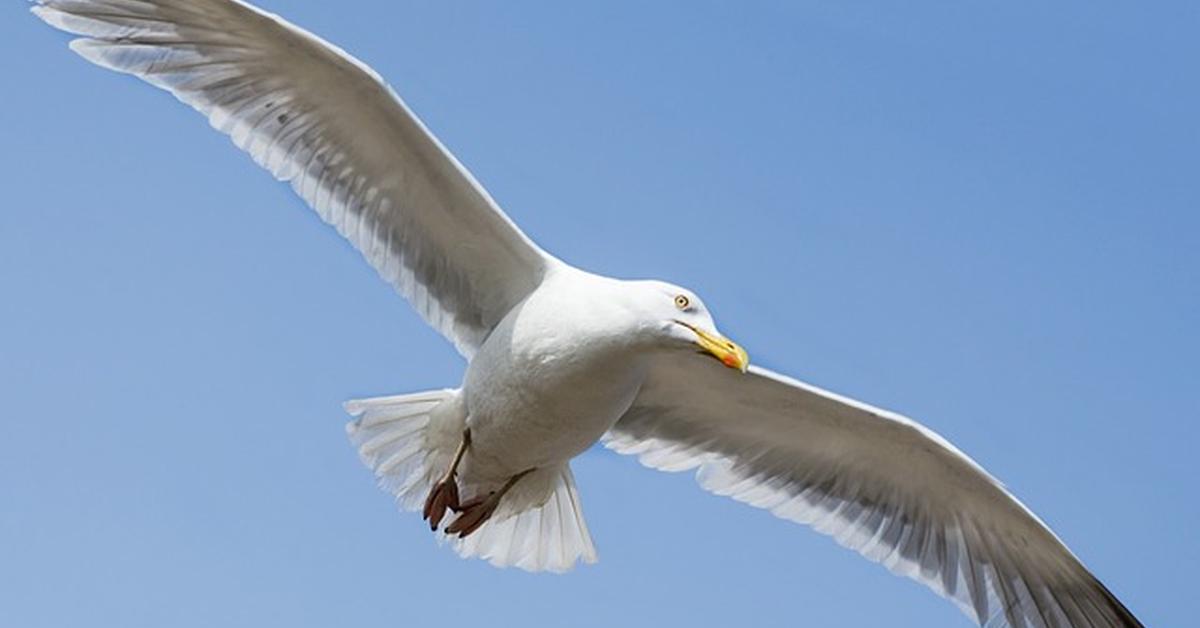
<point>677,318</point>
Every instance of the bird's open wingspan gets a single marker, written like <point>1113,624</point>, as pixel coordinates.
<point>328,124</point>
<point>879,483</point>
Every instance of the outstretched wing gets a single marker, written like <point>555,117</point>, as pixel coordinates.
<point>878,483</point>
<point>328,124</point>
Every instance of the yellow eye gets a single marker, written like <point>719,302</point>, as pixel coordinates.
<point>682,302</point>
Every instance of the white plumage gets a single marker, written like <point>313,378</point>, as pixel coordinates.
<point>407,446</point>
<point>560,358</point>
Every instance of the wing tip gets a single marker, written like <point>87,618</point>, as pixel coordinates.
<point>86,47</point>
<point>1124,615</point>
<point>44,13</point>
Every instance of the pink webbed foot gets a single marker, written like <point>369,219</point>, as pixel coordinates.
<point>475,512</point>
<point>443,495</point>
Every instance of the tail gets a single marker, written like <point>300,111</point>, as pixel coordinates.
<point>409,440</point>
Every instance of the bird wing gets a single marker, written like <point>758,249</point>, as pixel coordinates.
<point>879,483</point>
<point>325,122</point>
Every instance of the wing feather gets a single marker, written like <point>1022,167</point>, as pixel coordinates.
<point>878,483</point>
<point>316,117</point>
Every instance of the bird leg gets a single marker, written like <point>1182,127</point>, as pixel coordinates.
<point>477,511</point>
<point>444,493</point>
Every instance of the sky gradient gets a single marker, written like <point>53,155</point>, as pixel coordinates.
<point>983,216</point>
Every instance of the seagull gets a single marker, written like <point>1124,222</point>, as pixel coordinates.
<point>560,358</point>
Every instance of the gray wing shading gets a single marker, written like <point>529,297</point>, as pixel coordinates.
<point>878,483</point>
<point>318,118</point>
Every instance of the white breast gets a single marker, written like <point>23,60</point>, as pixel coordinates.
<point>551,378</point>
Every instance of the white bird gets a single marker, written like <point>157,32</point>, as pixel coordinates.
<point>560,358</point>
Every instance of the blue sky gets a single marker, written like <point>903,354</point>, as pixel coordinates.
<point>983,215</point>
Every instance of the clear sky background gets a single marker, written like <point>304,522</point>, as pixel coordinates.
<point>983,215</point>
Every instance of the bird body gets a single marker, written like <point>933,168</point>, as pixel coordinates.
<point>560,358</point>
<point>555,375</point>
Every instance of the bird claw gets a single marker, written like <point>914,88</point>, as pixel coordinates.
<point>443,495</point>
<point>473,514</point>
<point>470,503</point>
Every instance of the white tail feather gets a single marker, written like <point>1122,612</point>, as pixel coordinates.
<point>408,441</point>
<point>538,527</point>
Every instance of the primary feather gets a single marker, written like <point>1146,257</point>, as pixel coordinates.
<point>325,122</point>
<point>878,483</point>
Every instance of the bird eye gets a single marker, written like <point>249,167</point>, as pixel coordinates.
<point>682,302</point>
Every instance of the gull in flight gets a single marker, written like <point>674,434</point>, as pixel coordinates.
<point>560,358</point>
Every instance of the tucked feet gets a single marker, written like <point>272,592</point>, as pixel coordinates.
<point>473,514</point>
<point>444,493</point>
<point>476,512</point>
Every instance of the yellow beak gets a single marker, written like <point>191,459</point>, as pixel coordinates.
<point>723,349</point>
